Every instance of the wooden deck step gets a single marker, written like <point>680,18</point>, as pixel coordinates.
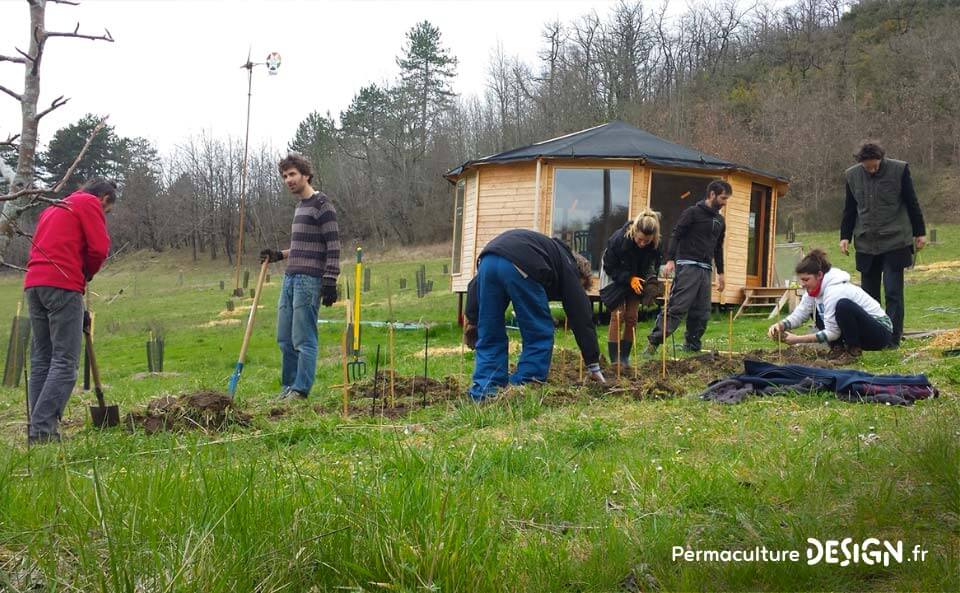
<point>770,298</point>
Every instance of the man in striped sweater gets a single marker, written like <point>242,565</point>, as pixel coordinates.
<point>313,264</point>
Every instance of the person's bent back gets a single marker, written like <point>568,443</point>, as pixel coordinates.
<point>69,246</point>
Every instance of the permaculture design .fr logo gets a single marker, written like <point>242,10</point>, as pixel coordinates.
<point>845,552</point>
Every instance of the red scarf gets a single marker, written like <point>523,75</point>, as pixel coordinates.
<point>816,292</point>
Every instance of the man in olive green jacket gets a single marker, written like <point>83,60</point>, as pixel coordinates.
<point>882,216</point>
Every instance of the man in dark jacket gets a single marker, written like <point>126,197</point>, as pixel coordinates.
<point>882,216</point>
<point>697,239</point>
<point>68,248</point>
<point>529,270</point>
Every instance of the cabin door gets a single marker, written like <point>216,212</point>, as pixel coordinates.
<point>758,235</point>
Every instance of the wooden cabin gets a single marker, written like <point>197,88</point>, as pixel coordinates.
<point>584,186</point>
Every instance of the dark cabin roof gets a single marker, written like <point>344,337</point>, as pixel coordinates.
<point>614,140</point>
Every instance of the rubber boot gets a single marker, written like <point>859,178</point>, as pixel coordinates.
<point>625,348</point>
<point>612,351</point>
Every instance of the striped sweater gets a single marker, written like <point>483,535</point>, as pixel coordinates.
<point>315,240</point>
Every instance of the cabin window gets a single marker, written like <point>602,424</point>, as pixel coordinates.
<point>671,194</point>
<point>458,226</point>
<point>589,205</point>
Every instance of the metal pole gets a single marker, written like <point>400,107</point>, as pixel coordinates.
<point>243,172</point>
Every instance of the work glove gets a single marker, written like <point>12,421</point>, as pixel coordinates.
<point>272,255</point>
<point>329,293</point>
<point>86,322</point>
<point>636,283</point>
<point>594,374</point>
<point>470,335</point>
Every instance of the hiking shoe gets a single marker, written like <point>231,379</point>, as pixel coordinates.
<point>854,352</point>
<point>289,392</point>
<point>294,394</point>
<point>837,351</point>
<point>689,348</point>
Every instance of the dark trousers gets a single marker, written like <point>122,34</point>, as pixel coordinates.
<point>886,269</point>
<point>858,328</point>
<point>690,297</point>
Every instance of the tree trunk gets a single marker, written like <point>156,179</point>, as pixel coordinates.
<point>26,158</point>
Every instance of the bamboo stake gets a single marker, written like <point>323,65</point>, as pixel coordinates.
<point>393,370</point>
<point>619,354</point>
<point>730,332</point>
<point>563,352</point>
<point>663,341</point>
<point>346,378</point>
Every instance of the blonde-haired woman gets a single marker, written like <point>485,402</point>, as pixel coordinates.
<point>630,260</point>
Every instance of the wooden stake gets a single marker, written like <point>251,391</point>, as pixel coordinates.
<point>730,332</point>
<point>461,362</point>
<point>619,318</point>
<point>393,369</point>
<point>346,378</point>
<point>663,341</point>
<point>563,352</point>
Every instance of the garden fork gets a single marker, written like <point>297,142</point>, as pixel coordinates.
<point>357,368</point>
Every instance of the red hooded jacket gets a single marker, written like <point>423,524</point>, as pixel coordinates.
<point>69,245</point>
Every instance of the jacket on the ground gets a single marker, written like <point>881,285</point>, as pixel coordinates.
<point>881,212</point>
<point>835,286</point>
<point>550,263</point>
<point>698,236</point>
<point>763,378</point>
<point>69,245</point>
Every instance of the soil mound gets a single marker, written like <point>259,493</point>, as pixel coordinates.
<point>203,410</point>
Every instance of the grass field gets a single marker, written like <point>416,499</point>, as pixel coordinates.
<point>549,488</point>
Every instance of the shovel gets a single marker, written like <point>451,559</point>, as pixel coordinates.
<point>103,416</point>
<point>235,377</point>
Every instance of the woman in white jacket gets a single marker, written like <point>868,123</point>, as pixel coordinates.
<point>847,317</point>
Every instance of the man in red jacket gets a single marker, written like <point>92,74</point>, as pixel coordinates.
<point>69,246</point>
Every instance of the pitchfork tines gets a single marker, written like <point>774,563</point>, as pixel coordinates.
<point>357,369</point>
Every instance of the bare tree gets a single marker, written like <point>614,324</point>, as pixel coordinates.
<point>22,195</point>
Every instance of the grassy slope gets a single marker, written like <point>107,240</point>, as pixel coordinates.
<point>521,494</point>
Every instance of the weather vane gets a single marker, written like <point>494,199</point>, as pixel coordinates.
<point>273,65</point>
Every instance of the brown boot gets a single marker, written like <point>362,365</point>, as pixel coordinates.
<point>854,352</point>
<point>837,351</point>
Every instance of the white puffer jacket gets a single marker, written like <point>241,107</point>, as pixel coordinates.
<point>836,285</point>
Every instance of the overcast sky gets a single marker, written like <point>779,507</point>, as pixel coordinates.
<point>174,70</point>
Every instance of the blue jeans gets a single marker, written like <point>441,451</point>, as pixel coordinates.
<point>498,284</point>
<point>56,319</point>
<point>297,330</point>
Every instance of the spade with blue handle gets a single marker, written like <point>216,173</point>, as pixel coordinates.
<point>235,377</point>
